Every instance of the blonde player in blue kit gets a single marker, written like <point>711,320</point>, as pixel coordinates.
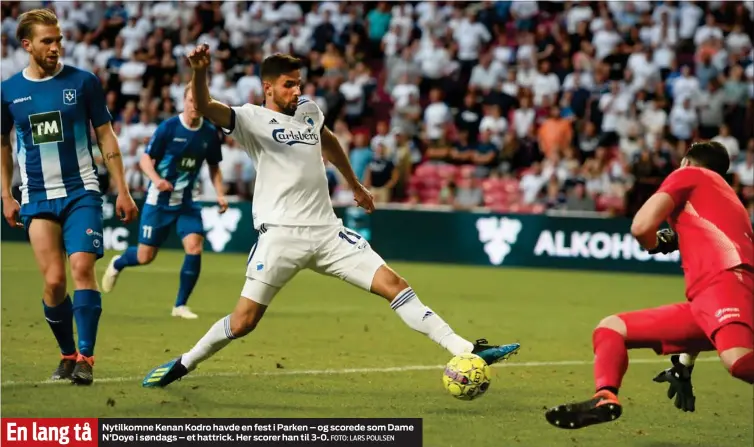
<point>173,159</point>
<point>51,105</point>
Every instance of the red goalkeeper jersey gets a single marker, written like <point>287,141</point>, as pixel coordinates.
<point>713,227</point>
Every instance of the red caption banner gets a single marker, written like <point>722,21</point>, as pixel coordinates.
<point>43,432</point>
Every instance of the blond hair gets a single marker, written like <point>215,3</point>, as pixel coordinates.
<point>33,17</point>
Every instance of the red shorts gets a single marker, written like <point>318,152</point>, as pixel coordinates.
<point>691,326</point>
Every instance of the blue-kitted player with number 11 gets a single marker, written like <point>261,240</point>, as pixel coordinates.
<point>172,161</point>
<point>51,107</point>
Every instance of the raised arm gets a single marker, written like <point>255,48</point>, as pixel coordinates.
<point>217,112</point>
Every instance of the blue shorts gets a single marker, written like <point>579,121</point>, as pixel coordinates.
<point>156,223</point>
<point>80,218</point>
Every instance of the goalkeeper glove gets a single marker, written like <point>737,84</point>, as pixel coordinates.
<point>667,242</point>
<point>679,379</point>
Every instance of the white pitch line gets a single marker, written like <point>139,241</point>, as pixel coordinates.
<point>322,372</point>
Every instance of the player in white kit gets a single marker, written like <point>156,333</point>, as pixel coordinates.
<point>298,229</point>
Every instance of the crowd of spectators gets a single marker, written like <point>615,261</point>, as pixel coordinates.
<point>516,106</point>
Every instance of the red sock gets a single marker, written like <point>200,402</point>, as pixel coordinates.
<point>610,358</point>
<point>744,368</point>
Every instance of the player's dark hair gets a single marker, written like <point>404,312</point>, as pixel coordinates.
<point>711,155</point>
<point>279,64</point>
<point>27,20</point>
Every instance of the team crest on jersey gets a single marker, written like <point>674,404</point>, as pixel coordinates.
<point>69,97</point>
<point>46,127</point>
<point>309,120</point>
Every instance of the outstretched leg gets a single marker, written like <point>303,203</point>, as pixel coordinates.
<point>667,329</point>
<point>405,302</point>
<point>407,305</point>
<point>240,322</point>
<point>345,254</point>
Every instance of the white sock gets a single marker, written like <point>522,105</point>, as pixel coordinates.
<point>216,338</point>
<point>422,319</point>
<point>688,359</point>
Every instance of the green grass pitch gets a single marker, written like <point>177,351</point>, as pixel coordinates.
<point>326,349</point>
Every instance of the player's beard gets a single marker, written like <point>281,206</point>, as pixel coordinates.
<point>47,62</point>
<point>287,108</point>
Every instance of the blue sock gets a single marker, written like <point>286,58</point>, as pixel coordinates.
<point>60,319</point>
<point>87,307</point>
<point>192,265</point>
<point>127,259</point>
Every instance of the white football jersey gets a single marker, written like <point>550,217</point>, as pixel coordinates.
<point>291,183</point>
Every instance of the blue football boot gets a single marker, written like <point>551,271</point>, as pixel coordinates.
<point>165,374</point>
<point>493,354</point>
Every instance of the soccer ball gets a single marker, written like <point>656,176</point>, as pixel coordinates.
<point>466,376</point>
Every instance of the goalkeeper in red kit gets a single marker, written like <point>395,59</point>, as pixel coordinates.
<point>712,230</point>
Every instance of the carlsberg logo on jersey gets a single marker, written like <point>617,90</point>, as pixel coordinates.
<point>498,235</point>
<point>46,127</point>
<point>291,137</point>
<point>220,227</point>
<point>597,245</point>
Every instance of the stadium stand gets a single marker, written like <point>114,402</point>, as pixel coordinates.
<point>516,106</point>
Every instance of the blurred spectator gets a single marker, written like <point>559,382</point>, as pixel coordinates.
<point>485,155</point>
<point>683,121</point>
<point>381,175</point>
<point>407,117</point>
<point>711,110</point>
<point>353,92</point>
<point>554,198</point>
<point>361,155</point>
<point>555,133</point>
<point>686,86</point>
<point>232,168</point>
<point>523,118</point>
<point>486,75</point>
<point>467,193</point>
<point>578,200</point>
<point>653,119</point>
<point>744,169</point>
<point>532,183</point>
<point>494,123</point>
<point>436,116</point>
<point>730,143</point>
<point>613,105</point>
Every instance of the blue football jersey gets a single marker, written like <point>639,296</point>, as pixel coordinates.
<point>52,117</point>
<point>179,152</point>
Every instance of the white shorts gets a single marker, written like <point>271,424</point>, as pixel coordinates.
<point>282,251</point>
